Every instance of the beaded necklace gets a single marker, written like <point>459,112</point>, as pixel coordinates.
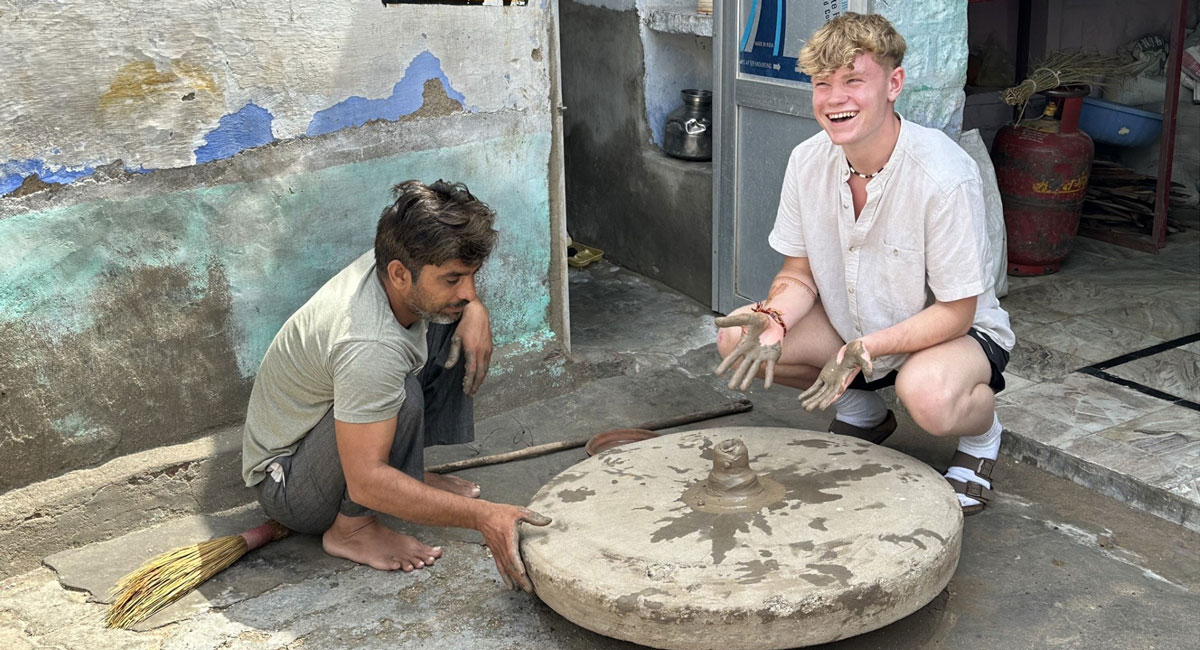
<point>860,174</point>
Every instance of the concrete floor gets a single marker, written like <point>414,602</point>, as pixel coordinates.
<point>1049,564</point>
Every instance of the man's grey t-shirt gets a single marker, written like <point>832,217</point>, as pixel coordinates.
<point>343,349</point>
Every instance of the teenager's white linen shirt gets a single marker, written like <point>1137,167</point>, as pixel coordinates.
<point>921,236</point>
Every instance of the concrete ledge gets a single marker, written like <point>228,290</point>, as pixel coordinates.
<point>120,496</point>
<point>678,18</point>
<point>1103,480</point>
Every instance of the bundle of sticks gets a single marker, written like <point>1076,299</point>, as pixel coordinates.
<point>1119,196</point>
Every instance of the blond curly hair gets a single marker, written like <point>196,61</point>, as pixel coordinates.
<point>842,39</point>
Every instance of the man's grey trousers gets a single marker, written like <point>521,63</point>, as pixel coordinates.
<point>306,491</point>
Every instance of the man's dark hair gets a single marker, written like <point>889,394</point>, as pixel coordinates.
<point>433,224</point>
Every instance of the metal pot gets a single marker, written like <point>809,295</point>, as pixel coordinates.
<point>689,127</point>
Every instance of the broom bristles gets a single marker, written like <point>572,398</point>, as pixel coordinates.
<point>169,577</point>
<point>1067,68</point>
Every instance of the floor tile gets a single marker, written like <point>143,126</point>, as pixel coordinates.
<point>1036,427</point>
<point>1083,401</point>
<point>1188,486</point>
<point>1013,382</point>
<point>1037,362</point>
<point>1020,282</point>
<point>1185,294</point>
<point>1026,315</point>
<point>1084,261</point>
<point>1138,279</point>
<point>1181,254</point>
<point>1167,319</point>
<point>1172,430</point>
<point>1175,372</point>
<point>1148,468</point>
<point>1090,338</point>
<point>1110,251</point>
<point>1023,326</point>
<point>1069,296</point>
<point>1193,347</point>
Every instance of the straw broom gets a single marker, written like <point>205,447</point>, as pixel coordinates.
<point>170,576</point>
<point>1068,68</point>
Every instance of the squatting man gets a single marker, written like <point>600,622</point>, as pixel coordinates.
<point>366,374</point>
<point>887,277</point>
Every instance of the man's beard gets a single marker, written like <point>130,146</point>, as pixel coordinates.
<point>420,303</point>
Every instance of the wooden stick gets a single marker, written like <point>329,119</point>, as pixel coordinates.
<point>730,408</point>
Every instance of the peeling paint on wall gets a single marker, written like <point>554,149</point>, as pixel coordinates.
<point>150,84</point>
<point>245,129</point>
<point>14,172</point>
<point>406,98</point>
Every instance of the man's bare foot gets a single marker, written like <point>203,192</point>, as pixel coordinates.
<point>452,484</point>
<point>366,541</point>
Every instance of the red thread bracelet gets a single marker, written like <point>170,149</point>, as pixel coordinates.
<point>772,313</point>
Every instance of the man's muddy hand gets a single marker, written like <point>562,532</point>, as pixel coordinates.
<point>761,343</point>
<point>502,538</point>
<point>473,339</point>
<point>836,376</point>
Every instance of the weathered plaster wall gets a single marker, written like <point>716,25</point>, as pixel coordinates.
<point>165,85</point>
<point>647,211</point>
<point>936,60</point>
<point>223,160</point>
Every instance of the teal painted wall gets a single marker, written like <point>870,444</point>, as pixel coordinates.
<point>276,247</point>
<point>140,320</point>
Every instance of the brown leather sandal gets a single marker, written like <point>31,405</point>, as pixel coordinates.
<point>876,435</point>
<point>983,469</point>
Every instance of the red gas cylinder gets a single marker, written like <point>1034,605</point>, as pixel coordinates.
<point>1042,167</point>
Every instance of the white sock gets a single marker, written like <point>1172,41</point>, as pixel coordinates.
<point>860,408</point>
<point>985,445</point>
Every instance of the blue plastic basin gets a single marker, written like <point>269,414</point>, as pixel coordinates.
<point>1113,123</point>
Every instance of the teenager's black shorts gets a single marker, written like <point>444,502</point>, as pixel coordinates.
<point>997,358</point>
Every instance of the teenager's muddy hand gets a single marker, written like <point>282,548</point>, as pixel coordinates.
<point>754,350</point>
<point>836,376</point>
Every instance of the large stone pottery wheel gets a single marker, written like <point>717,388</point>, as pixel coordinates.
<point>686,541</point>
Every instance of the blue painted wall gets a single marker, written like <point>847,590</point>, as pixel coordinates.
<point>245,129</point>
<point>251,126</point>
<point>405,99</point>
